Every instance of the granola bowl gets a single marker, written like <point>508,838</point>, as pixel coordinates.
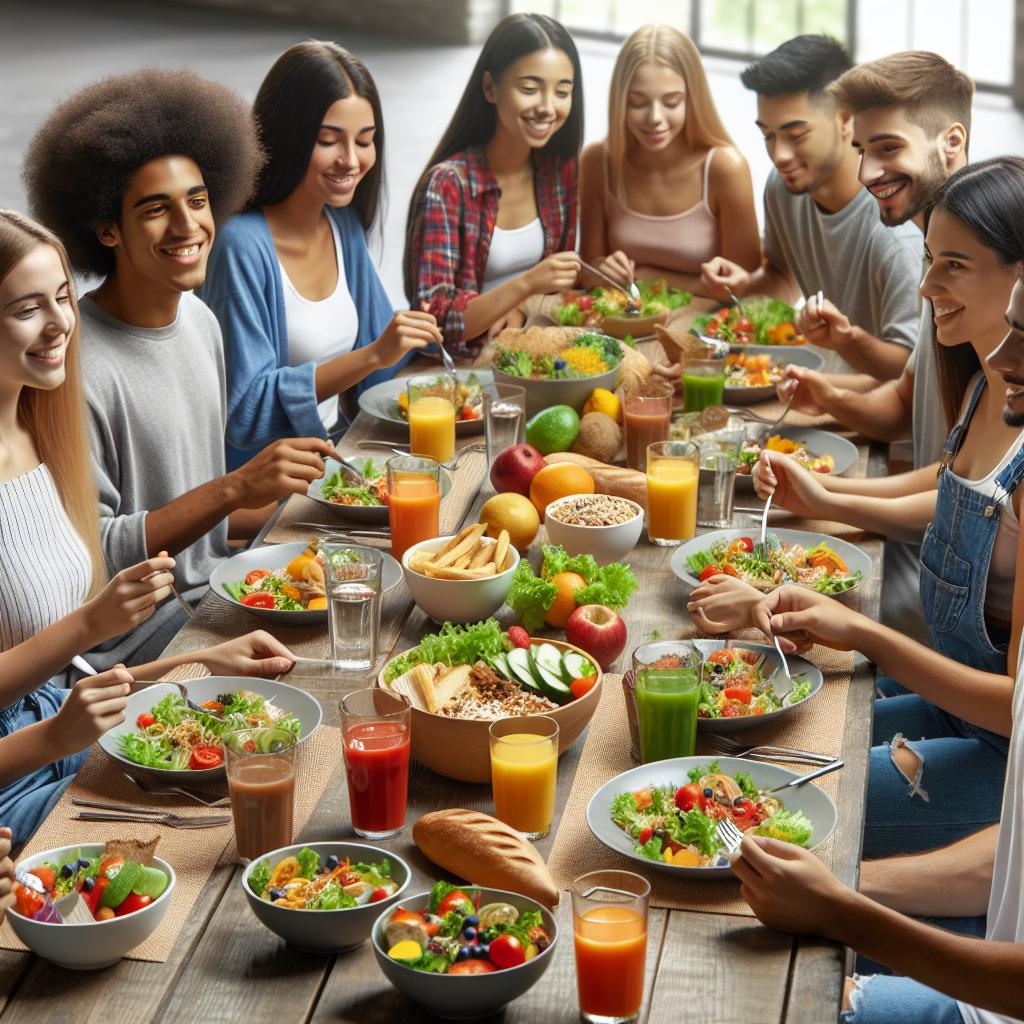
<point>601,525</point>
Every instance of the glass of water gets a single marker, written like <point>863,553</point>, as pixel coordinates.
<point>504,417</point>
<point>352,573</point>
<point>717,483</point>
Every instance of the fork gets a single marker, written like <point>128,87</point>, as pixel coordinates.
<point>403,449</point>
<point>720,744</point>
<point>728,835</point>
<point>147,787</point>
<point>801,779</point>
<point>193,706</point>
<point>166,818</point>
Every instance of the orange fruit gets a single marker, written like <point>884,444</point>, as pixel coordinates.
<point>559,480</point>
<point>566,583</point>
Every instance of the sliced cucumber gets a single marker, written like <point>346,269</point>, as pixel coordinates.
<point>549,656</point>
<point>500,664</point>
<point>519,668</point>
<point>551,683</point>
<point>575,666</point>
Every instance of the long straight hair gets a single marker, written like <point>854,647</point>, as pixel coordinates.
<point>988,198</point>
<point>667,46</point>
<point>56,418</point>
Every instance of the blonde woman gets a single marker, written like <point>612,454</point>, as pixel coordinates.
<point>667,190</point>
<point>54,597</point>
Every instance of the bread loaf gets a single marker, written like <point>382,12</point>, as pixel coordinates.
<point>484,851</point>
<point>623,483</point>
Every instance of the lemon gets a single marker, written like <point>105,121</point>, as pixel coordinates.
<point>603,400</point>
<point>553,429</point>
<point>512,512</point>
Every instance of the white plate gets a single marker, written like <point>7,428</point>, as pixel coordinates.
<point>782,355</point>
<point>815,803</point>
<point>381,401</point>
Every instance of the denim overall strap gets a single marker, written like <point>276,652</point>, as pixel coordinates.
<point>959,432</point>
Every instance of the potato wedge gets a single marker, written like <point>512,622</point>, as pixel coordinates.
<point>483,553</point>
<point>447,572</point>
<point>468,543</point>
<point>501,548</point>
<point>462,562</point>
<point>457,539</point>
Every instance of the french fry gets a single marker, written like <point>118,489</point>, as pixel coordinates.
<point>446,572</point>
<point>418,559</point>
<point>507,563</point>
<point>482,555</point>
<point>501,548</point>
<point>468,543</point>
<point>449,544</point>
<point>463,561</point>
<point>491,569</point>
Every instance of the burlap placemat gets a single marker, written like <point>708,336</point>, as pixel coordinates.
<point>816,726</point>
<point>193,853</point>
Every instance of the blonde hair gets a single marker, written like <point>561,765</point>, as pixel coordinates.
<point>56,418</point>
<point>665,45</point>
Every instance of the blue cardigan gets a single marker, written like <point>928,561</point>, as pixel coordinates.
<point>267,398</point>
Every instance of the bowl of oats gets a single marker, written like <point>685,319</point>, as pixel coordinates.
<point>603,525</point>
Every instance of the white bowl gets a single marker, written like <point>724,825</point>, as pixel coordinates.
<point>456,600</point>
<point>605,543</point>
<point>88,947</point>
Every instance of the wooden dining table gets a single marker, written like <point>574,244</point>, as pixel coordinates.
<point>701,967</point>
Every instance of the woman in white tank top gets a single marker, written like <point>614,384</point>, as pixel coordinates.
<point>653,193</point>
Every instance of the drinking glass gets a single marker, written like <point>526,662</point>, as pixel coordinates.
<point>352,577</point>
<point>414,501</point>
<point>609,917</point>
<point>524,772</point>
<point>432,402</point>
<point>717,487</point>
<point>673,472</point>
<point>260,766</point>
<point>666,707</point>
<point>375,727</point>
<point>703,383</point>
<point>504,417</point>
<point>647,414</point>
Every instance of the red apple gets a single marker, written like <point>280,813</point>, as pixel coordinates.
<point>515,467</point>
<point>597,630</point>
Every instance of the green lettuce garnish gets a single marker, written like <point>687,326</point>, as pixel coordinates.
<point>259,878</point>
<point>789,826</point>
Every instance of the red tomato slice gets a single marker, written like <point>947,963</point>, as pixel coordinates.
<point>132,902</point>
<point>581,687</point>
<point>456,900</point>
<point>740,693</point>
<point>205,757</point>
<point>145,720</point>
<point>472,967</point>
<point>708,571</point>
<point>27,901</point>
<point>722,657</point>
<point>260,599</point>
<point>255,576</point>
<point>689,796</point>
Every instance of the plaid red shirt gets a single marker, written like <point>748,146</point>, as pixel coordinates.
<point>457,212</point>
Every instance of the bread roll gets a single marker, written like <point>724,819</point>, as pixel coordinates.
<point>484,851</point>
<point>616,480</point>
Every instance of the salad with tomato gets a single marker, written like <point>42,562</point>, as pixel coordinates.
<point>588,309</point>
<point>304,882</point>
<point>171,735</point>
<point>677,824</point>
<point>454,934</point>
<point>732,685</point>
<point>374,494</point>
<point>761,321</point>
<point>299,586</point>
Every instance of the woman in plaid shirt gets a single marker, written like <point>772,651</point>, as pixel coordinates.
<point>493,218</point>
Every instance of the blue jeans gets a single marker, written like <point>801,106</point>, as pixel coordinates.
<point>886,999</point>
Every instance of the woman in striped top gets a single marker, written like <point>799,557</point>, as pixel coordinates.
<point>54,598</point>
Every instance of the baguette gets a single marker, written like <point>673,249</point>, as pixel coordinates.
<point>616,480</point>
<point>484,851</point>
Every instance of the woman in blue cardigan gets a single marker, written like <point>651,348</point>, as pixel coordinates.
<point>304,315</point>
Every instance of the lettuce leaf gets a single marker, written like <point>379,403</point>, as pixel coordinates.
<point>331,897</point>
<point>309,863</point>
<point>530,596</point>
<point>692,828</point>
<point>456,645</point>
<point>259,878</point>
<point>746,783</point>
<point>789,826</point>
<point>696,774</point>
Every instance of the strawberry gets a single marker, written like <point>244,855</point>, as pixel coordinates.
<point>519,637</point>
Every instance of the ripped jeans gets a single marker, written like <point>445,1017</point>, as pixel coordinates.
<point>885,999</point>
<point>957,790</point>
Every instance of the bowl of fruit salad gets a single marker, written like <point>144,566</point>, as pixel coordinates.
<point>463,951</point>
<point>324,897</point>
<point>84,907</point>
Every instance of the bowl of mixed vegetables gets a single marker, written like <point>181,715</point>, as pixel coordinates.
<point>161,734</point>
<point>752,371</point>
<point>760,321</point>
<point>664,815</point>
<point>613,311</point>
<point>324,897</point>
<point>817,451</point>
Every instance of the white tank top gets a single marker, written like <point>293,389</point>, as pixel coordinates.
<point>321,330</point>
<point>512,252</point>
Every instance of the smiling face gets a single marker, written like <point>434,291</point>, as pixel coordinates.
<point>533,99</point>
<point>1008,358</point>
<point>655,106</point>
<point>343,154</point>
<point>36,321</point>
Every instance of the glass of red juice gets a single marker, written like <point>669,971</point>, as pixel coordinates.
<point>375,729</point>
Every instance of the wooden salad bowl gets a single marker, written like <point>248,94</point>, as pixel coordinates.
<point>459,748</point>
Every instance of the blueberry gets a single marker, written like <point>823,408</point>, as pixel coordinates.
<point>67,871</point>
<point>88,885</point>
<point>559,364</point>
<point>470,933</point>
<point>332,862</point>
<point>81,863</point>
<point>473,921</point>
<point>485,950</point>
<point>463,953</point>
<point>476,950</point>
<point>709,792</point>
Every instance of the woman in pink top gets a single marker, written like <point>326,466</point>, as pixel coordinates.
<point>654,192</point>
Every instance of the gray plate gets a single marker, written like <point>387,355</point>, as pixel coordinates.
<point>815,803</point>
<point>361,513</point>
<point>798,355</point>
<point>304,706</point>
<point>817,442</point>
<point>853,556</point>
<point>381,401</point>
<point>277,556</point>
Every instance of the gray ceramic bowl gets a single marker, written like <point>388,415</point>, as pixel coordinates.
<point>304,706</point>
<point>818,442</point>
<point>815,803</point>
<point>782,355</point>
<point>542,394</point>
<point>467,996</point>
<point>381,402</point>
<point>327,931</point>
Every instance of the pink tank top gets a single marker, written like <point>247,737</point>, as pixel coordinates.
<point>679,242</point>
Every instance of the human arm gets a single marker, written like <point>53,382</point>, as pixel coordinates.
<point>732,202</point>
<point>255,654</point>
<point>826,326</point>
<point>594,245</point>
<point>722,604</point>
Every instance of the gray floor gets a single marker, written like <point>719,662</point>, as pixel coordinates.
<point>48,49</point>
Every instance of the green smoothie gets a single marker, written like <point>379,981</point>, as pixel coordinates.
<point>666,704</point>
<point>701,390</point>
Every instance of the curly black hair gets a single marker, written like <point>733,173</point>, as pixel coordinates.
<point>80,162</point>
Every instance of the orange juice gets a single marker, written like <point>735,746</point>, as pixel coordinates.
<point>671,500</point>
<point>432,427</point>
<point>611,943</point>
<point>524,770</point>
<point>414,509</point>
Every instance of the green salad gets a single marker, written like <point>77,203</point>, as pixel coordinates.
<point>589,355</point>
<point>588,309</point>
<point>374,494</point>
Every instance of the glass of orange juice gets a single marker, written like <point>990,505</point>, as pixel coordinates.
<point>524,771</point>
<point>432,416</point>
<point>414,501</point>
<point>673,472</point>
<point>609,916</point>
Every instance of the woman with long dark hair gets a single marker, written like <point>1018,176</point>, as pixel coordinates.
<point>493,217</point>
<point>303,312</point>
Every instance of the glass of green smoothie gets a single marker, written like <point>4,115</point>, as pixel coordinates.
<point>703,383</point>
<point>666,704</point>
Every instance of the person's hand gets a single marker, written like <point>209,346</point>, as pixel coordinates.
<point>557,273</point>
<point>814,391</point>
<point>619,267</point>
<point>282,468</point>
<point>800,617</point>
<point>795,488</point>
<point>670,371</point>
<point>93,706</point>
<point>512,319</point>
<point>824,325</point>
<point>788,888</point>
<point>129,598</point>
<point>722,604</point>
<point>719,277</point>
<point>409,330</point>
<point>255,654</point>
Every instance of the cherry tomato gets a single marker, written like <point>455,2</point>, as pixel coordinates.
<point>250,746</point>
<point>260,599</point>
<point>255,576</point>
<point>456,900</point>
<point>205,757</point>
<point>708,571</point>
<point>581,687</point>
<point>472,967</point>
<point>712,326</point>
<point>722,657</point>
<point>27,901</point>
<point>132,902</point>
<point>745,543</point>
<point>585,302</point>
<point>744,324</point>
<point>506,951</point>
<point>519,637</point>
<point>689,796</point>
<point>378,894</point>
<point>740,693</point>
<point>145,720</point>
<point>467,413</point>
<point>45,875</point>
<point>645,835</point>
<point>723,313</point>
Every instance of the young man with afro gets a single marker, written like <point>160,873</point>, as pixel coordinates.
<point>134,173</point>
